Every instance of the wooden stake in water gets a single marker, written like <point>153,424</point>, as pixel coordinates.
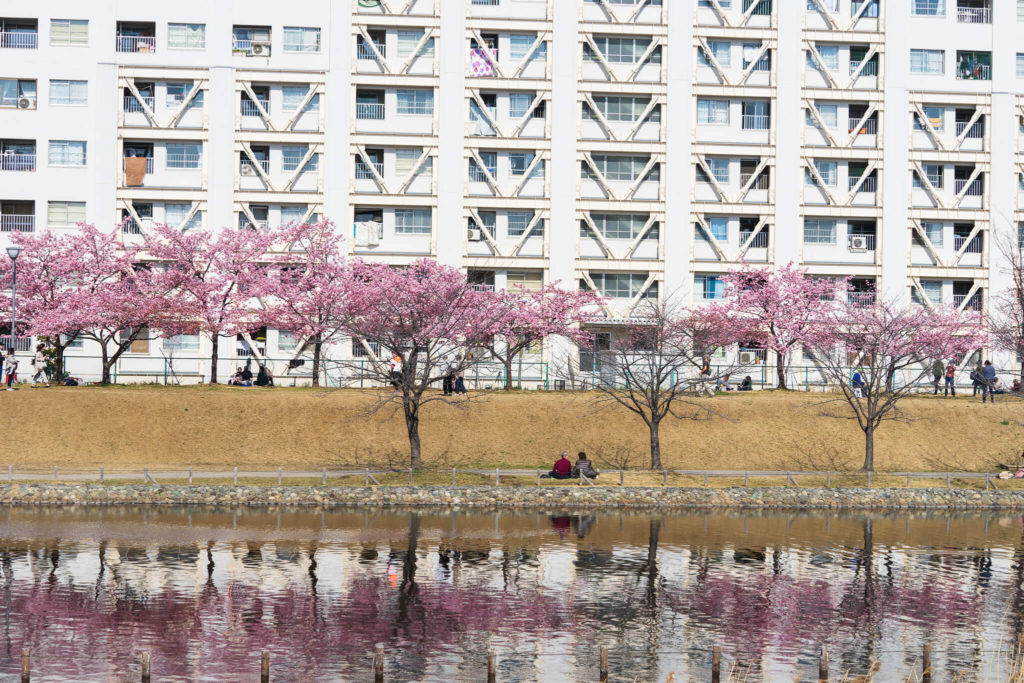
<point>926,665</point>
<point>492,669</point>
<point>265,667</point>
<point>603,677</point>
<point>716,665</point>
<point>145,667</point>
<point>25,666</point>
<point>823,666</point>
<point>378,665</point>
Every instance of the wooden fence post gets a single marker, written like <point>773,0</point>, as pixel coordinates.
<point>25,665</point>
<point>410,476</point>
<point>622,477</point>
<point>926,665</point>
<point>453,476</point>
<point>265,667</point>
<point>716,665</point>
<point>10,473</point>
<point>823,666</point>
<point>190,474</point>
<point>236,475</point>
<point>947,480</point>
<point>101,475</point>
<point>828,479</point>
<point>604,665</point>
<point>55,475</point>
<point>145,667</point>
<point>497,477</point>
<point>323,476</point>
<point>378,665</point>
<point>538,477</point>
<point>869,478</point>
<point>278,476</point>
<point>746,478</point>
<point>664,477</point>
<point>492,670</point>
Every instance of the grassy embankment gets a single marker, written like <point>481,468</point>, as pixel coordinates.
<point>222,427</point>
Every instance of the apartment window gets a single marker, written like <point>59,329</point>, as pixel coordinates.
<point>927,61</point>
<point>625,50</point>
<point>1020,10</point>
<point>1020,65</point>
<point>408,40</point>
<point>520,161</point>
<point>718,226</point>
<point>829,114</point>
<point>186,36</point>
<point>292,156</point>
<point>709,287</point>
<point>934,232</point>
<point>177,92</point>
<point>20,94</point>
<point>817,231</point>
<point>405,161</point>
<point>624,226</point>
<point>928,8</point>
<point>623,108</point>
<point>412,221</point>
<point>69,32</point>
<point>720,50</point>
<point>416,102</point>
<point>518,221</point>
<point>73,93</point>
<point>719,168</point>
<point>713,112</point>
<point>934,173</point>
<point>183,155</point>
<point>973,66</point>
<point>623,285</point>
<point>182,342</point>
<point>724,4</point>
<point>67,153</point>
<point>829,57</point>
<point>519,103</point>
<point>175,215</point>
<point>301,39</point>
<point>750,52</point>
<point>623,167</point>
<point>65,214</point>
<point>292,215</point>
<point>827,170</point>
<point>756,115</point>
<point>293,95</point>
<point>519,45</point>
<point>935,115</point>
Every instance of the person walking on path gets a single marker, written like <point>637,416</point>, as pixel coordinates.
<point>976,379</point>
<point>937,369</point>
<point>988,381</point>
<point>950,377</point>
<point>448,383</point>
<point>11,368</point>
<point>39,367</point>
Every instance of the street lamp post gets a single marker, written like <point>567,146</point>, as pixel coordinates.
<point>13,251</point>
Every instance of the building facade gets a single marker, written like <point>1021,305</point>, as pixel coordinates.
<point>640,148</point>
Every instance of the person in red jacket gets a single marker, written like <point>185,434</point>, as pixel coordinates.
<point>562,468</point>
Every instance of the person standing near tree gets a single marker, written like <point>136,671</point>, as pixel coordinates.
<point>988,381</point>
<point>39,367</point>
<point>937,369</point>
<point>950,380</point>
<point>460,373</point>
<point>11,368</point>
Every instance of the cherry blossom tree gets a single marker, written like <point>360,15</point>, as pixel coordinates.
<point>214,279</point>
<point>889,345</point>
<point>652,368</point>
<point>779,307</point>
<point>1007,307</point>
<point>306,287</point>
<point>429,316</point>
<point>531,316</point>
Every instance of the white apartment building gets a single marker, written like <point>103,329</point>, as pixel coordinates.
<point>640,148</point>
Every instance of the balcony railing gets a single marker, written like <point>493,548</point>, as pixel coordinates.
<point>763,64</point>
<point>976,189</point>
<point>760,240</point>
<point>136,43</point>
<point>23,344</point>
<point>869,245</point>
<point>17,162</point>
<point>763,7</point>
<point>149,164</point>
<point>366,52</point>
<point>861,298</point>
<point>476,174</point>
<point>489,3</point>
<point>130,227</point>
<point>12,222</point>
<point>248,168</point>
<point>870,184</point>
<point>977,129</point>
<point>869,127</point>
<point>978,72</point>
<point>370,111</point>
<point>972,304</point>
<point>249,107</point>
<point>363,171</point>
<point>974,15</point>
<point>184,161</point>
<point>132,104</point>
<point>756,121</point>
<point>761,183</point>
<point>973,248</point>
<point>870,69</point>
<point>19,40</point>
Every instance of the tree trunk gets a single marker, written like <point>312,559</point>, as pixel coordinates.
<point>869,449</point>
<point>317,348</point>
<point>215,358</point>
<point>655,446</point>
<point>58,363</point>
<point>105,377</point>
<point>780,369</point>
<point>412,426</point>
<point>1022,373</point>
<point>508,373</point>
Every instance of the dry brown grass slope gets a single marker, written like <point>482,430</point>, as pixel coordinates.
<point>224,426</point>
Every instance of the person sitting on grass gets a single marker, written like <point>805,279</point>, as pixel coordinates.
<point>264,378</point>
<point>246,377</point>
<point>583,466</point>
<point>747,384</point>
<point>236,379</point>
<point>723,384</point>
<point>562,468</point>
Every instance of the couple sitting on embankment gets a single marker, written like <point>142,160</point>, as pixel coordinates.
<point>564,469</point>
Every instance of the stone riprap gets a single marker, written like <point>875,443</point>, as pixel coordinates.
<point>512,497</point>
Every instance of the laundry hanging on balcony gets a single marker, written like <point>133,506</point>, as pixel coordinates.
<point>480,62</point>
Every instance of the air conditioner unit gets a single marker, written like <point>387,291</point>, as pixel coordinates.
<point>259,49</point>
<point>474,234</point>
<point>858,243</point>
<point>247,169</point>
<point>748,357</point>
<point>26,103</point>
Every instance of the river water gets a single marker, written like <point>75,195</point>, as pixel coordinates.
<point>205,590</point>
